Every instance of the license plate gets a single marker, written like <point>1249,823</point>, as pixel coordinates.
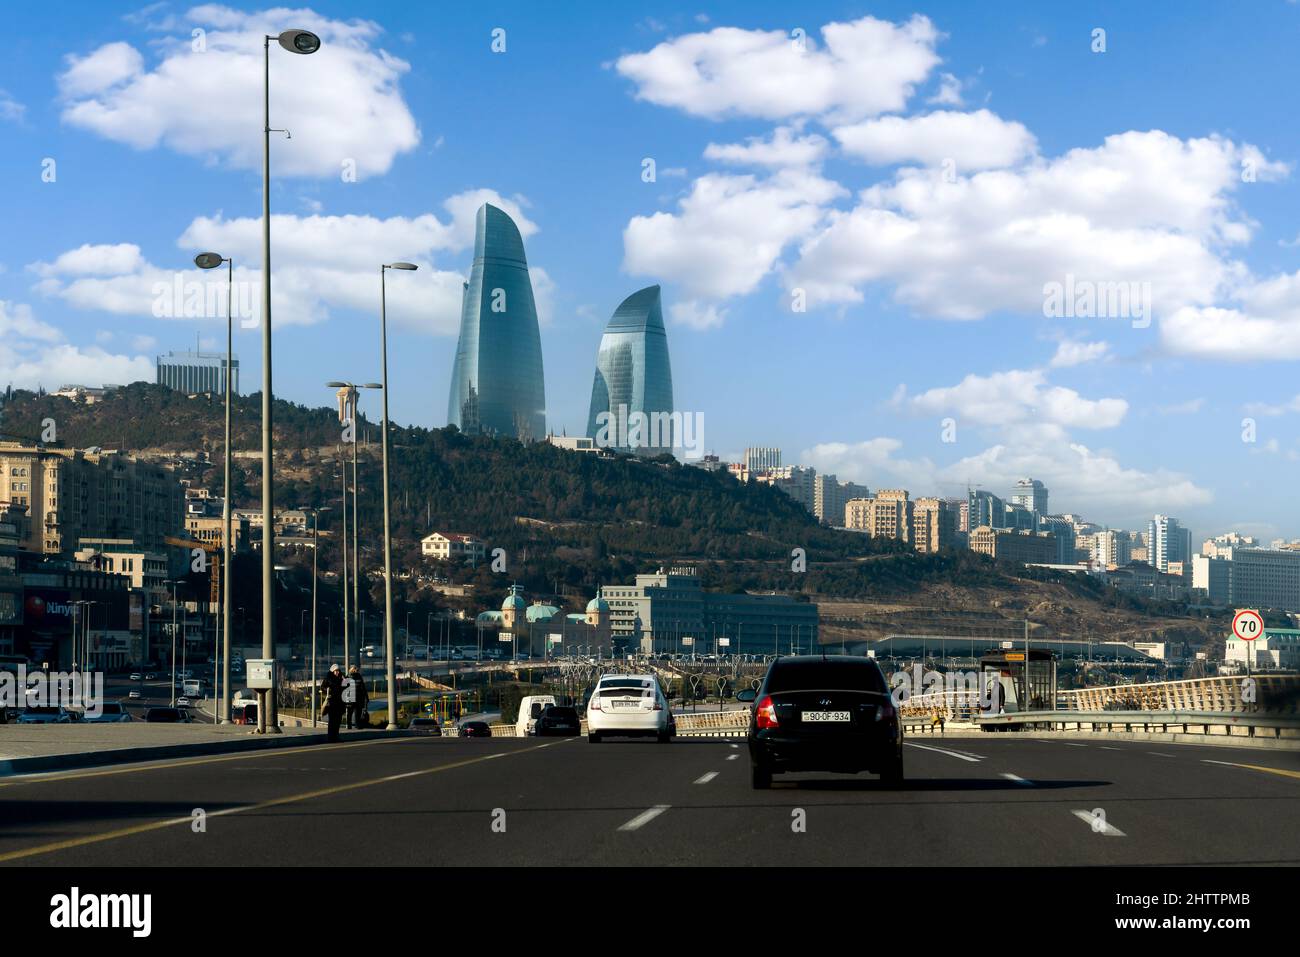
<point>617,703</point>
<point>825,716</point>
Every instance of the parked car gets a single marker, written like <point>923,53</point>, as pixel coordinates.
<point>167,716</point>
<point>558,719</point>
<point>150,676</point>
<point>136,676</point>
<point>45,716</point>
<point>427,726</point>
<point>475,729</point>
<point>133,693</point>
<point>628,705</point>
<point>182,702</point>
<point>823,713</point>
<point>111,712</point>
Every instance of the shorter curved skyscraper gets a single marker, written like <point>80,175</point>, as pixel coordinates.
<point>497,384</point>
<point>632,396</point>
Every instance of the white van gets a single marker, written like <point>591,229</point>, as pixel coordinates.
<point>530,708</point>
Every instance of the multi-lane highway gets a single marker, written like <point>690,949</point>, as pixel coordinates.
<point>992,800</point>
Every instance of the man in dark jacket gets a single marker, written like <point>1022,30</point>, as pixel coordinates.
<point>359,704</point>
<point>331,689</point>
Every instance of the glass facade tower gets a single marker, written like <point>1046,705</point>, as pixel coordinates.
<point>497,384</point>
<point>632,396</point>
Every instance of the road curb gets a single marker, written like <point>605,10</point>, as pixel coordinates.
<point>93,759</point>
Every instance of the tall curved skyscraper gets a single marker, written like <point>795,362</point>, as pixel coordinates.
<point>634,377</point>
<point>497,384</point>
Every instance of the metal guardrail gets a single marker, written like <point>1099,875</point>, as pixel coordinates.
<point>1237,693</point>
<point>1178,722</point>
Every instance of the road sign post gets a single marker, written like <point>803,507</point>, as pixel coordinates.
<point>1247,625</point>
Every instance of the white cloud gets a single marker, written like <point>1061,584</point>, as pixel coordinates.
<point>1265,326</point>
<point>782,149</point>
<point>33,353</point>
<point>729,231</point>
<point>1093,482</point>
<point>1190,407</point>
<point>322,263</point>
<point>1265,408</point>
<point>1142,207</point>
<point>971,141</point>
<point>861,68</point>
<point>1018,396</point>
<point>11,109</point>
<point>949,91</point>
<point>1071,353</point>
<point>696,314</point>
<point>342,104</point>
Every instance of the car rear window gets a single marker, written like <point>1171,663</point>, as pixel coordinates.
<point>625,683</point>
<point>826,676</point>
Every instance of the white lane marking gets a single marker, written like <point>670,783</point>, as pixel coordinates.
<point>1106,828</point>
<point>732,757</point>
<point>706,778</point>
<point>1017,778</point>
<point>645,817</point>
<point>1161,754</point>
<point>735,745</point>
<point>951,754</point>
<point>1071,744</point>
<point>1104,748</point>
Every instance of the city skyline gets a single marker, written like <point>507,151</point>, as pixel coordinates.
<point>993,168</point>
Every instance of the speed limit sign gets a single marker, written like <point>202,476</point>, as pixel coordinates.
<point>1247,624</point>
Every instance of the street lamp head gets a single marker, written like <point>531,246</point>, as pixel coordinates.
<point>209,260</point>
<point>299,41</point>
<point>338,385</point>
<point>407,266</point>
<point>372,385</point>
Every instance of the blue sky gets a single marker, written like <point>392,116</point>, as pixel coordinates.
<point>915,172</point>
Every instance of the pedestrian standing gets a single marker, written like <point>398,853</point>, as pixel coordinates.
<point>331,688</point>
<point>358,707</point>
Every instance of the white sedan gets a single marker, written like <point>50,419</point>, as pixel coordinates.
<point>631,705</point>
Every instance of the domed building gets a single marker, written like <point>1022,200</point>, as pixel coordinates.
<point>534,625</point>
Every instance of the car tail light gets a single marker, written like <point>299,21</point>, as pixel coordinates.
<point>765,714</point>
<point>659,705</point>
<point>886,711</point>
<point>594,703</point>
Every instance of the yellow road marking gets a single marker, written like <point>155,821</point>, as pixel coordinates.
<point>156,764</point>
<point>274,802</point>
<point>1259,767</point>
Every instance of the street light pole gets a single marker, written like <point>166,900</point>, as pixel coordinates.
<point>295,41</point>
<point>391,675</point>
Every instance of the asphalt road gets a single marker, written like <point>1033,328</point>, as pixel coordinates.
<point>995,800</point>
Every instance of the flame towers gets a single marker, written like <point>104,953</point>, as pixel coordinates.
<point>497,384</point>
<point>632,396</point>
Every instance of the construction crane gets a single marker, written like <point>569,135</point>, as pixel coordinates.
<point>214,568</point>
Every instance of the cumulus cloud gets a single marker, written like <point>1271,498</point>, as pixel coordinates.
<point>1141,208</point>
<point>34,353</point>
<point>728,232</point>
<point>969,141</point>
<point>861,68</point>
<point>1071,353</point>
<point>782,149</point>
<point>322,263</point>
<point>949,91</point>
<point>343,103</point>
<point>1094,482</point>
<point>1016,396</point>
<point>1263,323</point>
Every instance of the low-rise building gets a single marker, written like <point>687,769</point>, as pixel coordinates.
<point>453,547</point>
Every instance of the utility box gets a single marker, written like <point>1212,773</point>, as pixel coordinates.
<point>260,673</point>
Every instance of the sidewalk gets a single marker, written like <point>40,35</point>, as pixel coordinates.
<point>32,748</point>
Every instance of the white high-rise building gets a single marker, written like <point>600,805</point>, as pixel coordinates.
<point>1032,494</point>
<point>762,459</point>
<point>1167,541</point>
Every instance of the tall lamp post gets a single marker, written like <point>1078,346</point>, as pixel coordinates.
<point>391,674</point>
<point>351,400</point>
<point>173,582</point>
<point>315,551</point>
<point>302,42</point>
<point>212,261</point>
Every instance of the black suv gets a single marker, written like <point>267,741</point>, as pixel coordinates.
<point>824,713</point>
